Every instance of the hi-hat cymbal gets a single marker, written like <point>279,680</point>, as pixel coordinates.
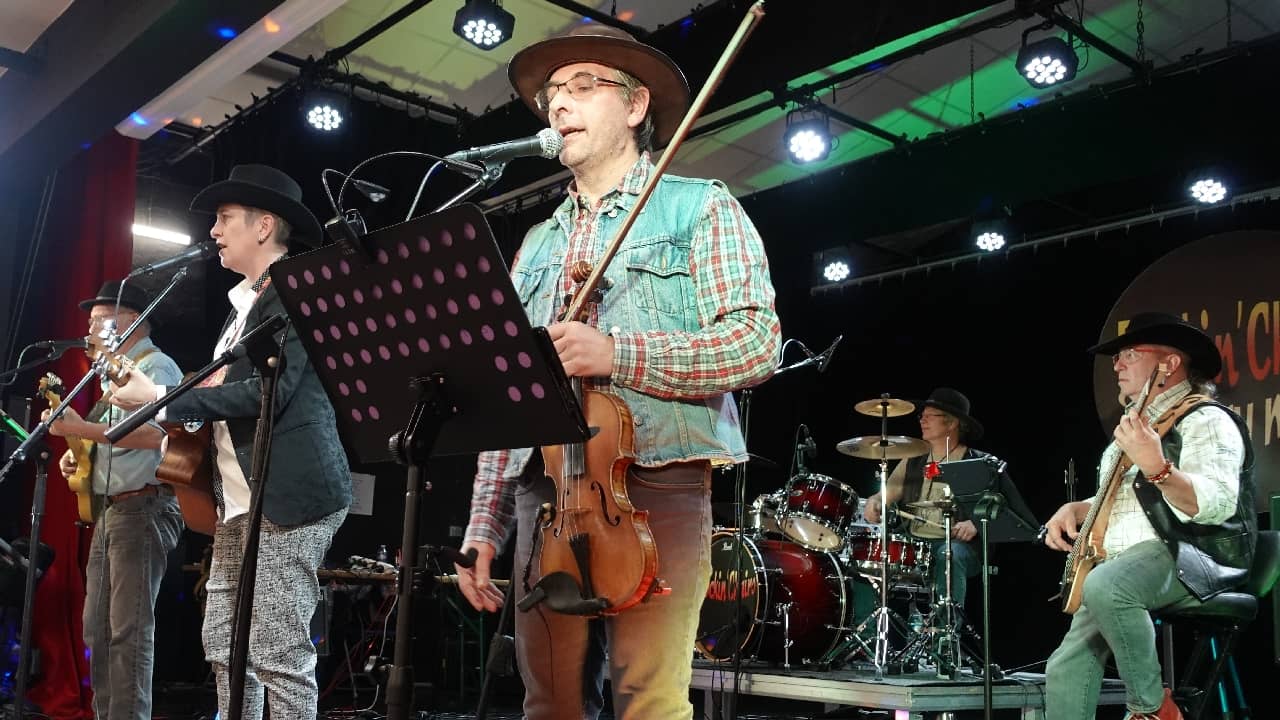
<point>885,407</point>
<point>891,447</point>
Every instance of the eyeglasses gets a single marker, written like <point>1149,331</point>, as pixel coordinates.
<point>580,86</point>
<point>1130,356</point>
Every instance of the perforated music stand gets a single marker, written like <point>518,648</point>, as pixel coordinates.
<point>978,481</point>
<point>424,349</point>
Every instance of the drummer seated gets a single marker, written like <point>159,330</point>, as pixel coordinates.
<point>948,427</point>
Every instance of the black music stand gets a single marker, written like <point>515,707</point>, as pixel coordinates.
<point>983,488</point>
<point>417,326</point>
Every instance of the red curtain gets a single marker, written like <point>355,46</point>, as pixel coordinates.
<point>88,240</point>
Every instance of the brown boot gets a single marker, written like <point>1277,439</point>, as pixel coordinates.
<point>1168,710</point>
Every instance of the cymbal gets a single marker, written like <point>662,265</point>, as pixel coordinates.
<point>891,447</point>
<point>885,407</point>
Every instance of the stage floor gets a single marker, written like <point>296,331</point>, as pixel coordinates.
<point>916,693</point>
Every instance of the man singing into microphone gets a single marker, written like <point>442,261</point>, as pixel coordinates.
<point>687,318</point>
<point>259,212</point>
<point>138,527</point>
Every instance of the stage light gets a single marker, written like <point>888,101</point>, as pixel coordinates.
<point>808,135</point>
<point>992,228</point>
<point>1208,186</point>
<point>833,265</point>
<point>1047,62</point>
<point>325,111</point>
<point>156,233</point>
<point>990,240</point>
<point>484,23</point>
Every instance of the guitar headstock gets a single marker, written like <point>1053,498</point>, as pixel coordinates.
<point>51,389</point>
<point>111,365</point>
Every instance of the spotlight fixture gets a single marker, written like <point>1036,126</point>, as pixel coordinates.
<point>484,23</point>
<point>1208,186</point>
<point>1048,61</point>
<point>808,135</point>
<point>992,228</point>
<point>833,265</point>
<point>325,111</point>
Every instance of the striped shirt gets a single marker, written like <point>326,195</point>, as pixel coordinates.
<point>734,348</point>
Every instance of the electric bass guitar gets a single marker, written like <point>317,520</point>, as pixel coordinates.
<point>1087,551</point>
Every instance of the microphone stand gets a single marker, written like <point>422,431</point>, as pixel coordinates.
<point>34,447</point>
<point>9,376</point>
<point>740,498</point>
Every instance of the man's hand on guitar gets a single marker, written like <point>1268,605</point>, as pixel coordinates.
<point>584,351</point>
<point>1065,525</point>
<point>137,391</point>
<point>68,423</point>
<point>474,581</point>
<point>67,464</point>
<point>1139,441</point>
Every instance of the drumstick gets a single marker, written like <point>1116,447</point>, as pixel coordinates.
<point>917,518</point>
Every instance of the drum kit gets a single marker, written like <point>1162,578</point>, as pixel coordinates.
<point>782,590</point>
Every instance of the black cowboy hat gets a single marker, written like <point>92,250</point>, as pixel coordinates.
<point>133,297</point>
<point>954,402</point>
<point>599,43</point>
<point>265,188</point>
<point>1157,328</point>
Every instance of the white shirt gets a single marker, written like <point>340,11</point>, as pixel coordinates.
<point>235,488</point>
<point>1211,458</point>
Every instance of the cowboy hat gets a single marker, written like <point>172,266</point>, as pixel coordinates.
<point>1157,328</point>
<point>265,188</point>
<point>133,297</point>
<point>954,402</point>
<point>606,45</point>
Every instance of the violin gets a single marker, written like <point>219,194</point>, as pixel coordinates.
<point>593,511</point>
<point>597,553</point>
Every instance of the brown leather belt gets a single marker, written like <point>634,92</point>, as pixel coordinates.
<point>148,490</point>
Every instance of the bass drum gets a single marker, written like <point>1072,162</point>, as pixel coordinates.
<point>784,593</point>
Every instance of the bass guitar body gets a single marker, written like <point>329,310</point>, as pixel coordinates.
<point>595,534</point>
<point>187,467</point>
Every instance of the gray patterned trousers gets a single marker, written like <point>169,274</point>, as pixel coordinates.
<point>281,657</point>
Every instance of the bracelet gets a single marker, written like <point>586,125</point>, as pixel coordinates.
<point>1163,474</point>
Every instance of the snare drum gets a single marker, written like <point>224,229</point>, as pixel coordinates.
<point>788,603</point>
<point>908,558</point>
<point>818,511</point>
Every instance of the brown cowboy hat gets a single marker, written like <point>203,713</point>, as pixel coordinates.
<point>1157,328</point>
<point>265,188</point>
<point>606,45</point>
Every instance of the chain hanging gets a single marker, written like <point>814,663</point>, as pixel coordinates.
<point>972,114</point>
<point>1142,50</point>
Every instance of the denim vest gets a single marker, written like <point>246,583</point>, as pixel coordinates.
<point>649,288</point>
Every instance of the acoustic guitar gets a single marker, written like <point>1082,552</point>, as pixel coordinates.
<point>88,503</point>
<point>187,466</point>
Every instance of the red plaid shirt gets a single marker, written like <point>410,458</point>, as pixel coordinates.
<point>736,347</point>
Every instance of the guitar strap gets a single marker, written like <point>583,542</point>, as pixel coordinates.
<point>1160,426</point>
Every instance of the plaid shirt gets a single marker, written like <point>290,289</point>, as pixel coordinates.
<point>1211,458</point>
<point>736,346</point>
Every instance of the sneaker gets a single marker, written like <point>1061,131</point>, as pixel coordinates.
<point>1168,710</point>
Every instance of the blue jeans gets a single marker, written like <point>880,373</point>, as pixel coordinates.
<point>649,647</point>
<point>127,559</point>
<point>1115,619</point>
<point>966,562</point>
